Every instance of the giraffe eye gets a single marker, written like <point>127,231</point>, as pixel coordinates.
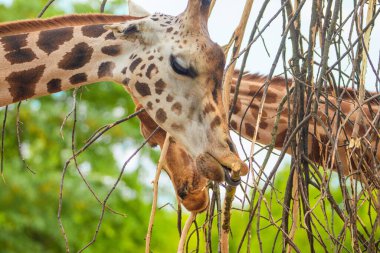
<point>178,66</point>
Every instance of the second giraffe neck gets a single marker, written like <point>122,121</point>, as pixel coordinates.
<point>58,54</point>
<point>246,110</point>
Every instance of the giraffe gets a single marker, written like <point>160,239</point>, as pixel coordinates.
<point>169,64</point>
<point>190,183</point>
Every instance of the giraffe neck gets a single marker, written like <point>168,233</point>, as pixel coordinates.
<point>246,110</point>
<point>41,57</point>
<point>245,115</point>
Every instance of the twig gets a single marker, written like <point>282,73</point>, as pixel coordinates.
<point>42,12</point>
<point>18,133</point>
<point>185,231</point>
<point>2,142</point>
<point>60,204</point>
<point>114,187</point>
<point>155,192</point>
<point>238,39</point>
<point>103,5</point>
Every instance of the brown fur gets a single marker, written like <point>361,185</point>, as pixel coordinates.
<point>26,26</point>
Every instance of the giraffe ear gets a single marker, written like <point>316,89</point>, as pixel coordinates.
<point>136,10</point>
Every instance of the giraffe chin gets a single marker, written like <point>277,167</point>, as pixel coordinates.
<point>196,201</point>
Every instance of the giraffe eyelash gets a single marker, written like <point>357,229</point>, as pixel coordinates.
<point>180,69</point>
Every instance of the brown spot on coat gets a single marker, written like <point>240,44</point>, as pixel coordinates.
<point>93,31</point>
<point>161,116</point>
<point>14,42</point>
<point>152,68</point>
<point>234,125</point>
<point>21,56</point>
<point>134,64</point>
<point>177,108</point>
<point>263,124</point>
<point>54,85</point>
<point>169,29</point>
<point>237,107</point>
<point>169,98</point>
<point>112,50</point>
<point>126,81</point>
<point>143,89</point>
<point>271,98</point>
<point>160,86</point>
<point>78,78</point>
<point>79,56</point>
<point>124,70</point>
<point>280,138</point>
<point>23,83</point>
<point>249,129</point>
<point>254,109</point>
<point>110,36</point>
<point>149,105</point>
<point>216,122</point>
<point>50,40</point>
<point>208,108</point>
<point>105,69</point>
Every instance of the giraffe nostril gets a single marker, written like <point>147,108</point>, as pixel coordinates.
<point>183,191</point>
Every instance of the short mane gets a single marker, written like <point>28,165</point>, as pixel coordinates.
<point>32,25</point>
<point>349,93</point>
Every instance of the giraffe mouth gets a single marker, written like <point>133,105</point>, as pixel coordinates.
<point>228,179</point>
<point>217,170</point>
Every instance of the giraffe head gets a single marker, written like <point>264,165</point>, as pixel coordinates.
<point>175,71</point>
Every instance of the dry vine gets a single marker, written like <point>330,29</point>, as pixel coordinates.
<point>322,86</point>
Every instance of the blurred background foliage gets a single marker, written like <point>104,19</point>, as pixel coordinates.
<point>29,202</point>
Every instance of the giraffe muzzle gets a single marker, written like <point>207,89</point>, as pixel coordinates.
<point>229,179</point>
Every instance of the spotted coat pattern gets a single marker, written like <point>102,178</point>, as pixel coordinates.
<point>43,61</point>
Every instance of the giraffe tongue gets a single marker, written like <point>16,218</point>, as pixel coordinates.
<point>229,180</point>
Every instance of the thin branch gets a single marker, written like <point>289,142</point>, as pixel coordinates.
<point>160,165</point>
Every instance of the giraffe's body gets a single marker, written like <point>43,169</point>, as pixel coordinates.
<point>168,63</point>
